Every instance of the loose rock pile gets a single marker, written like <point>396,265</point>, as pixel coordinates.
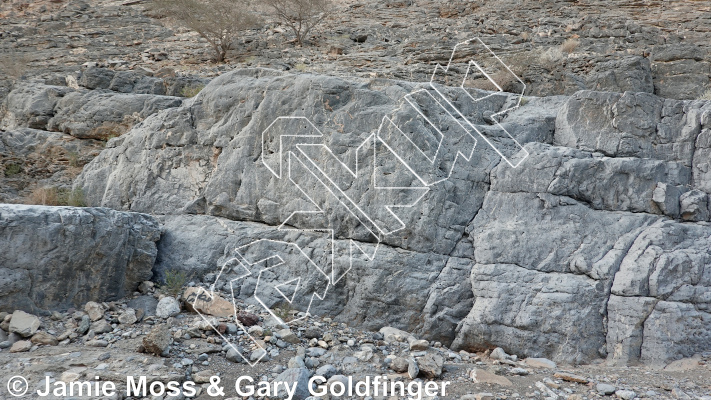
<point>131,337</point>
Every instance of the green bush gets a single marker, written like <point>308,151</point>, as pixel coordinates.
<point>283,311</point>
<point>74,198</point>
<point>12,169</point>
<point>175,280</point>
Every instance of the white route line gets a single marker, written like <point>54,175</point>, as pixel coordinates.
<point>494,116</point>
<point>335,190</point>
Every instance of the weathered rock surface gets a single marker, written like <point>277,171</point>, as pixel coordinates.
<point>541,244</point>
<point>57,257</point>
<point>85,114</point>
<point>659,301</point>
<point>31,158</point>
<point>632,125</point>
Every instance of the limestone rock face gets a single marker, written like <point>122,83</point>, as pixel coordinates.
<point>632,125</point>
<point>85,114</point>
<point>589,248</point>
<point>659,297</point>
<point>59,257</point>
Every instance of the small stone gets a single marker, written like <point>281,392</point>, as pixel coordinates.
<point>316,351</point>
<point>296,362</point>
<point>84,325</point>
<point>69,376</point>
<point>679,394</point>
<point>205,302</point>
<point>233,354</point>
<point>312,333</point>
<point>431,365</point>
<point>101,326</point>
<point>288,336</point>
<point>499,354</point>
<point>571,377</point>
<point>399,364</point>
<point>298,377</point>
<point>203,376</point>
<point>97,343</point>
<point>146,287</point>
<point>519,371</point>
<point>478,396</point>
<point>259,355</point>
<point>605,389</point>
<point>364,355</point>
<point>482,376</point>
<point>412,369</point>
<point>21,346</point>
<point>232,329</point>
<point>167,307</point>
<point>45,339</point>
<point>311,362</point>
<point>24,324</point>
<point>540,363</point>
<point>419,345</point>
<point>326,371</point>
<point>128,317</point>
<point>256,330</point>
<point>625,394</point>
<point>247,319</point>
<point>157,340</point>
<point>94,310</point>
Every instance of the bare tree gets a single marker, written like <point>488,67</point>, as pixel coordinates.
<point>300,15</point>
<point>218,21</point>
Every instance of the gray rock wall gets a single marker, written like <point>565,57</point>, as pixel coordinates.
<point>532,259</point>
<point>60,257</point>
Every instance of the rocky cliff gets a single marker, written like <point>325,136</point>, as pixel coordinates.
<point>596,245</point>
<point>62,257</point>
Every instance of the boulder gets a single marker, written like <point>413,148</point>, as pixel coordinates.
<point>201,300</point>
<point>430,365</point>
<point>24,324</point>
<point>21,346</point>
<point>44,338</point>
<point>167,307</point>
<point>157,340</point>
<point>72,255</point>
<point>94,310</point>
<point>483,376</point>
<point>298,376</point>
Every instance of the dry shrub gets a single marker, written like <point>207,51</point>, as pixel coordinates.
<point>51,196</point>
<point>217,21</point>
<point>506,81</point>
<point>301,16</point>
<point>191,91</point>
<point>44,196</point>
<point>569,46</point>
